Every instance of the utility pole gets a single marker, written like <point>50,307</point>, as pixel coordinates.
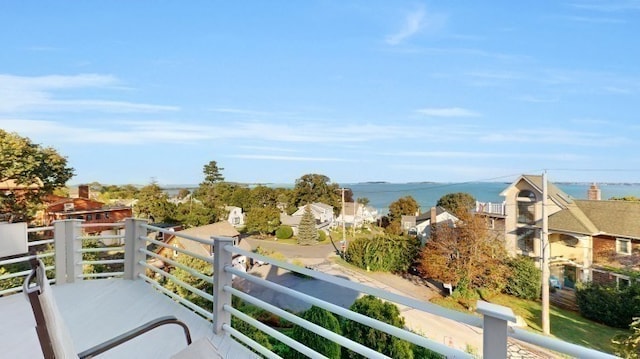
<point>544,246</point>
<point>344,231</point>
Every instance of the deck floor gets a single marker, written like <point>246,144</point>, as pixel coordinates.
<point>97,310</point>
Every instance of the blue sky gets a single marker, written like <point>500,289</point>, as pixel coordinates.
<point>359,91</point>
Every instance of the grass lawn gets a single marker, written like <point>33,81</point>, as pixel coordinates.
<point>565,325</point>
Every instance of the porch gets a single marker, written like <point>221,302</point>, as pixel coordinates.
<point>117,300</point>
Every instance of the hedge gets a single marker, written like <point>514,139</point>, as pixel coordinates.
<point>284,232</point>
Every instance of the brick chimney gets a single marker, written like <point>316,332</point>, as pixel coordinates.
<point>593,194</point>
<point>433,216</point>
<point>83,191</point>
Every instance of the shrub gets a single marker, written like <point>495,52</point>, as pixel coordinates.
<point>525,279</point>
<point>284,232</point>
<point>391,254</point>
<point>322,236</point>
<point>609,305</point>
<point>314,341</point>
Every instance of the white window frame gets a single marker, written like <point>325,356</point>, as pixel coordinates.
<point>628,245</point>
<point>623,278</point>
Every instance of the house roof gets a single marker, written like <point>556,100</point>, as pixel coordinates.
<point>553,192</point>
<point>593,217</point>
<point>427,215</point>
<point>290,220</point>
<point>223,229</point>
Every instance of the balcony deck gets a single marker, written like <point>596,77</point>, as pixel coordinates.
<point>97,310</point>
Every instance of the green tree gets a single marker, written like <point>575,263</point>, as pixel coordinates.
<point>456,202</point>
<point>363,201</point>
<point>213,173</point>
<point>197,266</point>
<point>405,206</point>
<point>194,214</point>
<point>183,193</point>
<point>375,339</point>
<point>27,164</point>
<point>324,346</point>
<point>153,203</point>
<point>383,253</point>
<point>264,220</point>
<point>626,198</point>
<point>263,196</point>
<point>525,279</point>
<point>307,233</point>
<point>312,188</point>
<point>466,256</point>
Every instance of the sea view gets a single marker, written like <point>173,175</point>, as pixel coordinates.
<point>381,194</point>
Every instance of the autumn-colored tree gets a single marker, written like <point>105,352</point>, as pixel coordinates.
<point>33,170</point>
<point>405,206</point>
<point>307,232</point>
<point>465,255</point>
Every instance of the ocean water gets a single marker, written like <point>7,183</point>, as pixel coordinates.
<point>380,195</point>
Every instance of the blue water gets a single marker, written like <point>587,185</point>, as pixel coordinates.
<point>380,195</point>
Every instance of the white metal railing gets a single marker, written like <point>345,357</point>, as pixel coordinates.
<point>138,264</point>
<point>491,208</point>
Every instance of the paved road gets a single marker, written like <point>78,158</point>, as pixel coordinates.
<point>320,251</point>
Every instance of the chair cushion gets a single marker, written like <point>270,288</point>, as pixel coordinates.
<point>58,331</point>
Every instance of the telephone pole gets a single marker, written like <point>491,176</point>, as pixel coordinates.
<point>544,246</point>
<point>344,231</point>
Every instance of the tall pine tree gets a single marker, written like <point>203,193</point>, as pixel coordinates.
<point>307,232</point>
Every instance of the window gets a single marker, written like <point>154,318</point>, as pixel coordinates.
<point>526,237</point>
<point>526,213</point>
<point>526,195</point>
<point>89,217</point>
<point>622,282</point>
<point>98,216</point>
<point>106,215</point>
<point>623,246</point>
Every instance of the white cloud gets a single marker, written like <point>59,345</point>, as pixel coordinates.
<point>33,94</point>
<point>447,112</point>
<point>412,25</point>
<point>291,158</point>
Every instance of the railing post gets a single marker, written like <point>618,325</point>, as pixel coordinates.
<point>132,231</point>
<point>221,258</point>
<point>494,329</point>
<point>67,257</point>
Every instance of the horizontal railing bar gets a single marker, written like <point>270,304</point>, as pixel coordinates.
<point>11,290</point>
<point>188,304</point>
<point>345,313</point>
<point>573,350</point>
<point>41,242</point>
<point>396,298</point>
<point>179,250</point>
<point>26,258</point>
<point>104,236</point>
<point>178,234</point>
<point>345,342</point>
<point>101,275</point>
<point>105,261</point>
<point>102,224</point>
<point>100,249</point>
<point>186,268</point>
<point>39,229</point>
<point>250,342</point>
<point>274,333</point>
<point>175,279</point>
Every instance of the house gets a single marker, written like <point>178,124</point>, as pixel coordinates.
<point>89,210</point>
<point>495,215</point>
<point>323,213</point>
<point>437,216</point>
<point>221,229</point>
<point>291,221</point>
<point>357,214</point>
<point>589,239</point>
<point>235,217</point>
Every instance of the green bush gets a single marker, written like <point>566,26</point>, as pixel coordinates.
<point>609,305</point>
<point>284,232</point>
<point>322,236</point>
<point>525,280</point>
<point>390,254</point>
<point>324,346</point>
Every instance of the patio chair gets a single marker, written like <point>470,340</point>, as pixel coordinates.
<point>55,339</point>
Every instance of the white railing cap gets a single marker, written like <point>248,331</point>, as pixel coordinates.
<point>495,311</point>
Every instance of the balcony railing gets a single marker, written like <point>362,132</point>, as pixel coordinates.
<point>491,208</point>
<point>138,264</point>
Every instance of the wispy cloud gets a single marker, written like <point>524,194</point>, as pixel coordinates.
<point>239,111</point>
<point>555,136</point>
<point>593,20</point>
<point>447,112</point>
<point>33,94</point>
<point>609,6</point>
<point>415,22</point>
<point>291,158</point>
<point>537,99</point>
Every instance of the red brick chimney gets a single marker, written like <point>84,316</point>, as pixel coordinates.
<point>83,191</point>
<point>593,194</point>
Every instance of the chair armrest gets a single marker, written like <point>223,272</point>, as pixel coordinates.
<point>123,338</point>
